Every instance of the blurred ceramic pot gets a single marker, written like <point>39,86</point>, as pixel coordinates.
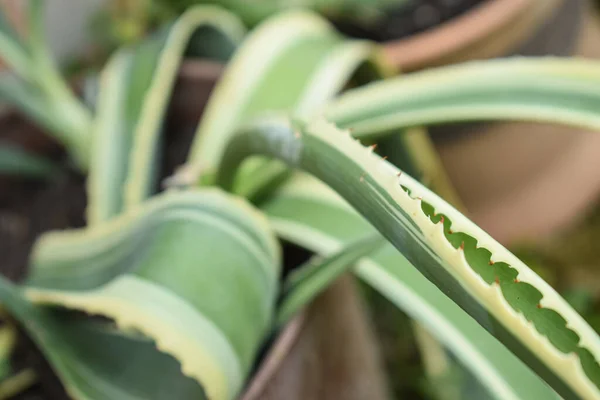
<point>489,29</point>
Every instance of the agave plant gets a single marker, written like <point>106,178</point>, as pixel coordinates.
<point>189,280</point>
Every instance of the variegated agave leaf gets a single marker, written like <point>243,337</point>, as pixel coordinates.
<point>298,51</point>
<point>559,90</point>
<point>134,94</point>
<point>306,212</point>
<point>474,270</point>
<point>120,368</point>
<point>194,271</point>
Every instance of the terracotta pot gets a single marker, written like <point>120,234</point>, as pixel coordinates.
<point>493,28</point>
<point>525,181</point>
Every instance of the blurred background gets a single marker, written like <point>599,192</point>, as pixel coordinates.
<point>534,187</point>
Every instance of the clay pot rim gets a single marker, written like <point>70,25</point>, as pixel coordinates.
<point>421,49</point>
<point>460,32</point>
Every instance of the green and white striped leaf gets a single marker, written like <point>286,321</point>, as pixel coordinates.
<point>294,61</point>
<point>476,271</point>
<point>195,271</point>
<point>563,91</point>
<point>134,94</point>
<point>307,213</point>
<point>124,366</point>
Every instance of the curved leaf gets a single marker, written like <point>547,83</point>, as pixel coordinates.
<point>307,213</point>
<point>139,181</point>
<point>134,93</point>
<point>452,251</point>
<point>298,51</point>
<point>114,247</point>
<point>178,328</point>
<point>564,91</point>
<point>123,84</point>
<point>121,363</point>
<point>196,271</point>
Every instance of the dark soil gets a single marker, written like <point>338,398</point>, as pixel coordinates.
<point>47,386</point>
<point>414,17</point>
<point>28,208</point>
